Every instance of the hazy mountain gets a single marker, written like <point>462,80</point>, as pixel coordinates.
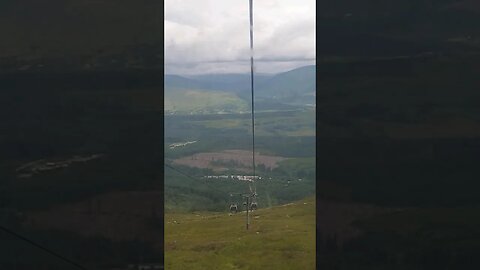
<point>294,87</point>
<point>236,83</point>
<point>300,80</point>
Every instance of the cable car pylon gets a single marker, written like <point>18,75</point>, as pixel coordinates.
<point>250,198</point>
<point>253,203</point>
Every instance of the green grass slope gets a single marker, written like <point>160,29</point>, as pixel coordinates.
<point>281,237</point>
<point>184,101</point>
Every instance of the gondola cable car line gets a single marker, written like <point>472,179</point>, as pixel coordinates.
<point>251,200</point>
<point>251,196</point>
<point>253,102</point>
<point>39,246</point>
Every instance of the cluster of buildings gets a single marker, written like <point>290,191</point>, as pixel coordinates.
<point>234,177</point>
<point>39,166</point>
<point>173,145</point>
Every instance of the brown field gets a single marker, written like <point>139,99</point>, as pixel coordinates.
<point>218,161</point>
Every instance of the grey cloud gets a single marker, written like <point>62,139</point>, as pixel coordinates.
<point>212,35</point>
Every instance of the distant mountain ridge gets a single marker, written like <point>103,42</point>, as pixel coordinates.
<point>234,82</point>
<point>295,86</point>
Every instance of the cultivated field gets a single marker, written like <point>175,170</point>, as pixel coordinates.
<point>228,159</point>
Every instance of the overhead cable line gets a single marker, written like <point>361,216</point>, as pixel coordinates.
<point>195,178</point>
<point>252,85</point>
<point>51,252</point>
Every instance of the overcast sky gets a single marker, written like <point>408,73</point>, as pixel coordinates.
<point>212,36</point>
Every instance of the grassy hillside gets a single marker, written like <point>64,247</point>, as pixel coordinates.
<point>281,237</point>
<point>288,125</point>
<point>185,101</point>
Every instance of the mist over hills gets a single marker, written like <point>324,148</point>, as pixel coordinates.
<point>294,87</point>
<point>235,83</point>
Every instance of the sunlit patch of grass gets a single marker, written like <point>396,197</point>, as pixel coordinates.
<point>281,237</point>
